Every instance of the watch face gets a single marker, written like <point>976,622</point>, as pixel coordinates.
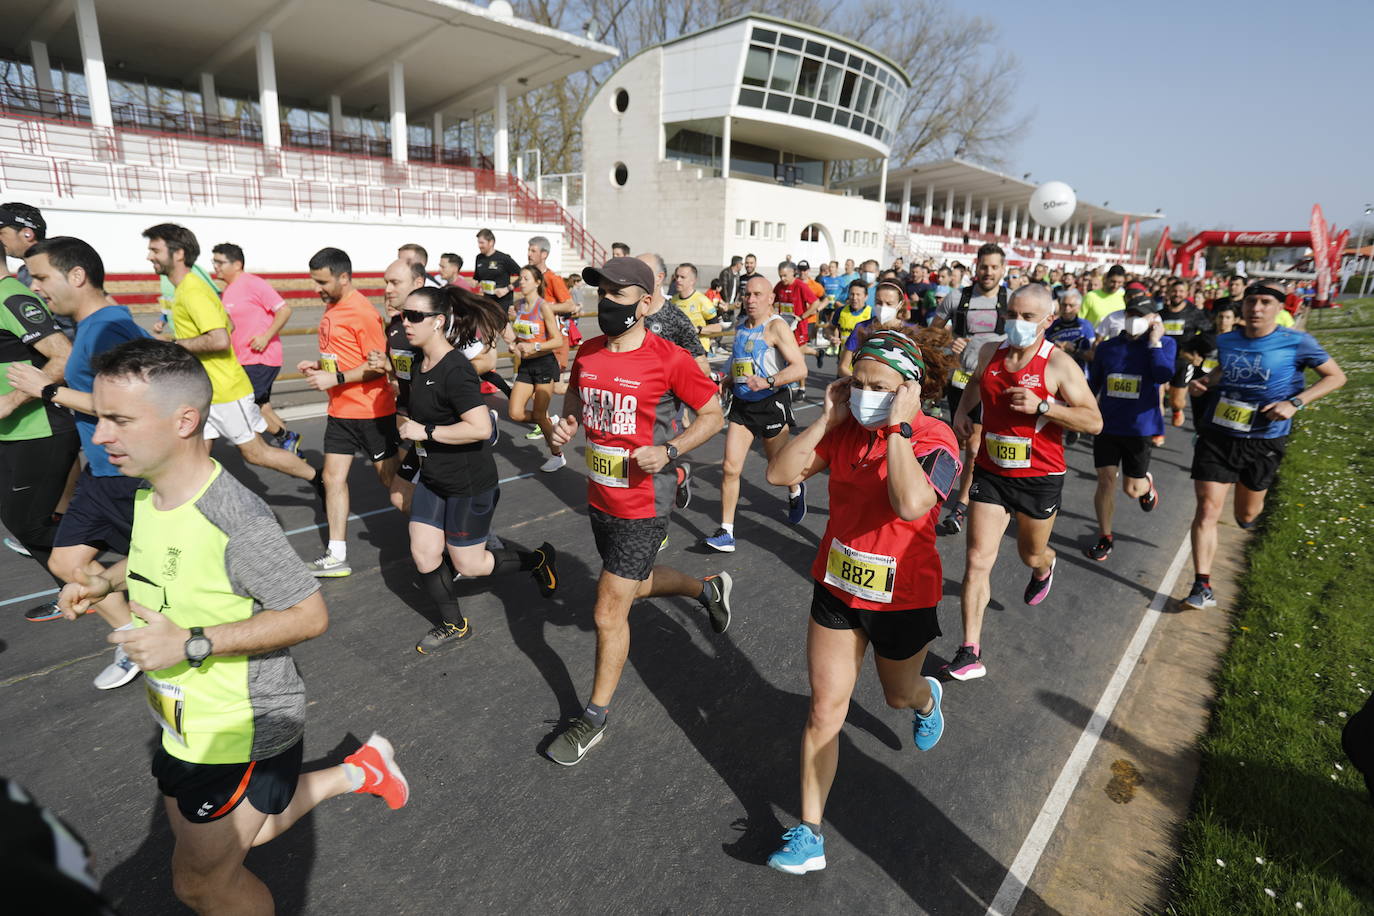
<point>197,647</point>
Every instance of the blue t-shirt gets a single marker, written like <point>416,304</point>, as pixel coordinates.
<point>1125,374</point>
<point>1256,371</point>
<point>834,287</point>
<point>102,330</point>
<point>1078,332</point>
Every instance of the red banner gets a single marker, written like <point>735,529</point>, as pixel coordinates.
<point>1187,252</point>
<point>1162,251</point>
<point>1321,258</point>
<point>1337,246</point>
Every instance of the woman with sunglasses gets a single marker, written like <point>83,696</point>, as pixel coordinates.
<point>457,491</point>
<point>537,339</point>
<point>877,573</point>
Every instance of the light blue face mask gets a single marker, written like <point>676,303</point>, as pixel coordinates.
<point>1022,333</point>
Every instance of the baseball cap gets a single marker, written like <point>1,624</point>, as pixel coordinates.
<point>803,265</point>
<point>621,272</point>
<point>1140,303</point>
<point>24,217</point>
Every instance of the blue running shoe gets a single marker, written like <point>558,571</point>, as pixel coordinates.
<point>802,851</point>
<point>722,540</point>
<point>1200,597</point>
<point>290,442</point>
<point>796,505</point>
<point>926,730</point>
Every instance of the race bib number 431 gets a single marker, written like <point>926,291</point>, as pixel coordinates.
<point>1237,415</point>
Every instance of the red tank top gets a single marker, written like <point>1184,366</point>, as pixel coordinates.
<point>1018,444</point>
<point>529,323</point>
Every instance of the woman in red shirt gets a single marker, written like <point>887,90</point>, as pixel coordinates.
<point>877,574</point>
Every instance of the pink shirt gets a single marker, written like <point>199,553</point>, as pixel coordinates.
<point>252,305</point>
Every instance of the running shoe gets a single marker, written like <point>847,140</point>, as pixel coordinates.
<point>927,729</point>
<point>554,463</point>
<point>684,485</point>
<point>573,742</point>
<point>796,505</point>
<point>722,540</point>
<point>1070,438</point>
<point>1200,597</point>
<point>17,547</point>
<point>534,433</point>
<point>802,851</point>
<point>546,573</point>
<point>381,776</point>
<point>118,673</point>
<point>820,359</point>
<point>966,664</point>
<point>1156,441</point>
<point>43,612</point>
<point>329,566</point>
<point>716,594</point>
<point>663,544</point>
<point>1177,418</point>
<point>495,430</point>
<point>1101,550</point>
<point>442,635</point>
<point>1037,590</point>
<point>954,522</point>
<point>1150,499</point>
<point>290,442</point>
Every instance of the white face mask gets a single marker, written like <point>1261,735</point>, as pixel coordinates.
<point>1137,325</point>
<point>886,313</point>
<point>870,276</point>
<point>1022,333</point>
<point>870,408</point>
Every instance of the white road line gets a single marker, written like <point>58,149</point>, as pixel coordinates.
<point>1018,877</point>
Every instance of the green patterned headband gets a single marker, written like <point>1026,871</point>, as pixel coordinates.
<point>895,350</point>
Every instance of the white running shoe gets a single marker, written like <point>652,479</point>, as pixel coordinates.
<point>329,566</point>
<point>554,463</point>
<point>118,673</point>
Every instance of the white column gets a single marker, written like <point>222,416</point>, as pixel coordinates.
<point>930,205</point>
<point>997,224</point>
<point>97,89</point>
<point>209,98</point>
<point>968,211</point>
<point>983,219</point>
<point>725,147</point>
<point>42,67</point>
<point>396,84</point>
<point>336,122</point>
<point>1011,229</point>
<point>949,209</point>
<point>882,189</point>
<point>436,136</point>
<point>906,204</point>
<point>267,92</point>
<point>1038,230</point>
<point>501,139</point>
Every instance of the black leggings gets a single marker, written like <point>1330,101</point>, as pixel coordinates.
<point>498,381</point>
<point>33,476</point>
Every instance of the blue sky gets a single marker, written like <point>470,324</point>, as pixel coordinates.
<point>1223,114</point>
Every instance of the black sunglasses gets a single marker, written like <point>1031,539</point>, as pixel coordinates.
<point>415,317</point>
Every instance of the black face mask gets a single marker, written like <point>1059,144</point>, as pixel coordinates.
<point>613,318</point>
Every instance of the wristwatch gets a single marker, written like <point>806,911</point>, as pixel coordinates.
<point>339,377</point>
<point>1296,402</point>
<point>198,647</point>
<point>1042,408</point>
<point>429,432</point>
<point>672,451</point>
<point>538,346</point>
<point>772,381</point>
<point>49,392</point>
<point>899,429</point>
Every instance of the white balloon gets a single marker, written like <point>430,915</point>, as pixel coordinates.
<point>1052,204</point>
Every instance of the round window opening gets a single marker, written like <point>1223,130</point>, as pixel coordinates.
<point>622,100</point>
<point>620,174</point>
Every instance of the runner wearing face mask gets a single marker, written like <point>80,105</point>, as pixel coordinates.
<point>1030,391</point>
<point>891,306</point>
<point>877,574</point>
<point>1124,374</point>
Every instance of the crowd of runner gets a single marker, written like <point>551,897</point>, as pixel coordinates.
<point>956,389</point>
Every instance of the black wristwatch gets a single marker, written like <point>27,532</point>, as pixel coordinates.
<point>339,377</point>
<point>49,392</point>
<point>772,381</point>
<point>1296,402</point>
<point>429,431</point>
<point>198,647</point>
<point>1042,408</point>
<point>901,429</point>
<point>672,451</point>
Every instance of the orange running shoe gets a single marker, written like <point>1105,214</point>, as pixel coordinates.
<point>381,776</point>
<point>1178,418</point>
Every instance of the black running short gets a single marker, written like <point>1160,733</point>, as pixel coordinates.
<point>101,513</point>
<point>952,396</point>
<point>205,792</point>
<point>1184,370</point>
<point>262,378</point>
<point>1131,452</point>
<point>375,437</point>
<point>1036,497</point>
<point>409,469</point>
<point>465,520</point>
<point>538,370</point>
<point>1253,463</point>
<point>765,418</point>
<point>628,546</point>
<point>895,634</point>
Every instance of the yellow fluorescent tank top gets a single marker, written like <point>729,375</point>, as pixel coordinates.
<point>220,557</point>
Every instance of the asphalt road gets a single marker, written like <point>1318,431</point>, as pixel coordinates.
<point>677,809</point>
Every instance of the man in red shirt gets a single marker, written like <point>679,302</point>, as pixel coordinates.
<point>793,291</point>
<point>362,409</point>
<point>627,390</point>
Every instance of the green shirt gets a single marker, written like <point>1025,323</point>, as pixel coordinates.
<point>197,310</point>
<point>25,320</point>
<point>1098,305</point>
<point>220,557</point>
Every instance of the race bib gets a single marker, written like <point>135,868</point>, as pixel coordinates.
<point>609,466</point>
<point>741,369</point>
<point>329,362</point>
<point>870,576</point>
<point>961,378</point>
<point>1237,415</point>
<point>167,703</point>
<point>401,361</point>
<point>1120,385</point>
<point>1009,451</point>
<point>1173,326</point>
<point>488,287</point>
<point>525,329</point>
<point>1209,364</point>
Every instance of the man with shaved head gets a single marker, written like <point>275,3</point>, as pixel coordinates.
<point>1030,391</point>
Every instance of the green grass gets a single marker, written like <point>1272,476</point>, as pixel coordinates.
<point>1277,801</point>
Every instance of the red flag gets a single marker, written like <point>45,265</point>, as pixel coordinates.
<point>1337,249</point>
<point>1321,260</point>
